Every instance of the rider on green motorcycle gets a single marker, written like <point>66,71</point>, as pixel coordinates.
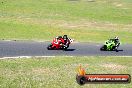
<point>111,44</point>
<point>117,42</point>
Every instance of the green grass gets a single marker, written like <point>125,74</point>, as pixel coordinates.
<point>82,20</point>
<point>60,72</point>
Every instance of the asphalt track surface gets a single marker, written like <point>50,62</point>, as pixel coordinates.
<point>26,48</point>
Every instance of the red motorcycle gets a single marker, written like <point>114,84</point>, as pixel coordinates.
<point>60,44</point>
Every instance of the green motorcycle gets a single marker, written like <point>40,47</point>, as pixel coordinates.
<point>110,45</point>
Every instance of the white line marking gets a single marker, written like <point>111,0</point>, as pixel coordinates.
<point>16,57</point>
<point>43,56</point>
<point>120,56</point>
<point>107,56</point>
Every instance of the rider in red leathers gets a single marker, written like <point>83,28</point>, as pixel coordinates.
<point>66,40</point>
<point>60,42</point>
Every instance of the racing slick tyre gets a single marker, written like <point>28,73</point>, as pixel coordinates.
<point>114,48</point>
<point>65,48</point>
<point>49,47</point>
<point>103,48</point>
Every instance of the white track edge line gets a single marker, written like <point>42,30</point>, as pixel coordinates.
<point>15,57</point>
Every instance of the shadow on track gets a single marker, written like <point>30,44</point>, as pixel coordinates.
<point>112,50</point>
<point>119,50</point>
<point>70,49</point>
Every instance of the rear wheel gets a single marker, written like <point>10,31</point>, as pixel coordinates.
<point>114,47</point>
<point>65,47</point>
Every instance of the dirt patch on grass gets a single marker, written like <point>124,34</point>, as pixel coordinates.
<point>73,68</point>
<point>45,71</point>
<point>121,5</point>
<point>114,66</point>
<point>95,25</point>
<point>118,4</point>
<point>74,25</point>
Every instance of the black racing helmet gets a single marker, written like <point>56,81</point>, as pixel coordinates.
<point>65,37</point>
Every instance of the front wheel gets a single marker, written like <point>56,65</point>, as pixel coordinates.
<point>104,47</point>
<point>49,47</point>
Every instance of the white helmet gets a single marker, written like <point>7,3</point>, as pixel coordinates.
<point>116,37</point>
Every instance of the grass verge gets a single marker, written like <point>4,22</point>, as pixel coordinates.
<point>82,20</point>
<point>60,72</point>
